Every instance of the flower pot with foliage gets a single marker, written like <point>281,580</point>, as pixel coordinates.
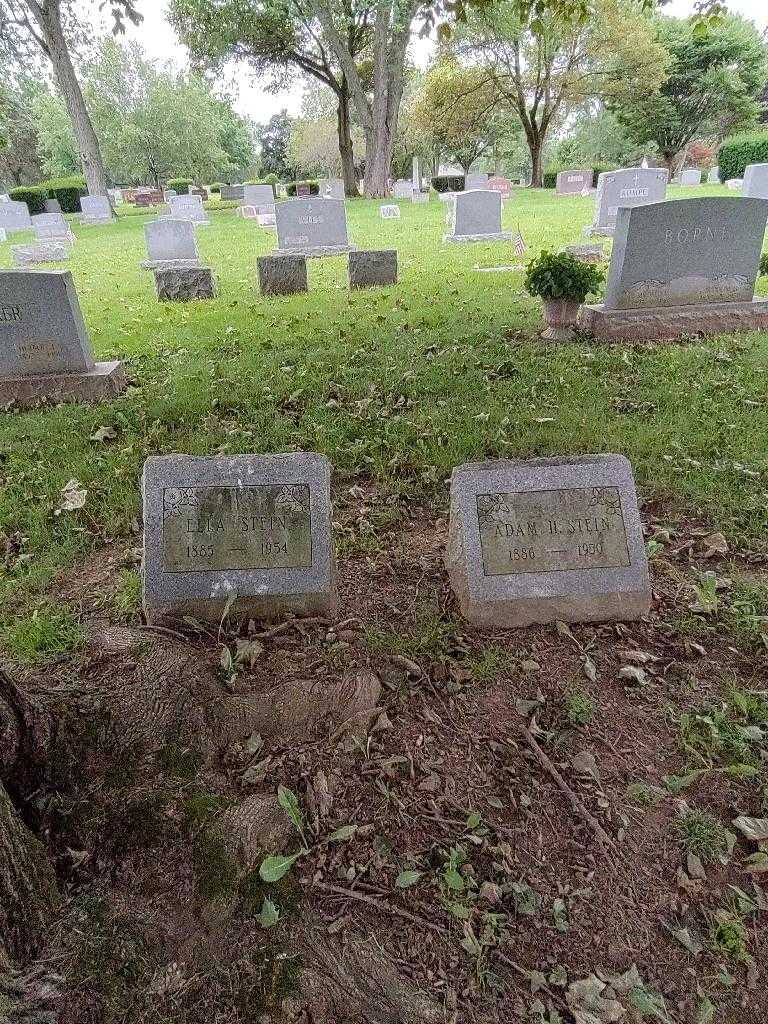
<point>562,283</point>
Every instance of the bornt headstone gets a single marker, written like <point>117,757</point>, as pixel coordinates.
<point>45,351</point>
<point>476,217</point>
<point>245,534</point>
<point>683,267</point>
<point>547,540</point>
<point>311,227</point>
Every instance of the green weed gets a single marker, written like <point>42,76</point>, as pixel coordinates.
<point>49,632</point>
<point>702,834</point>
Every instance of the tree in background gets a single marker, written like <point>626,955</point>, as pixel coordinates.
<point>274,139</point>
<point>19,158</point>
<point>35,29</point>
<point>597,139</point>
<point>543,67</point>
<point>152,124</point>
<point>313,145</point>
<point>713,86</point>
<point>276,38</point>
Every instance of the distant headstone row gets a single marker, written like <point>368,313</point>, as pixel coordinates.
<point>529,542</point>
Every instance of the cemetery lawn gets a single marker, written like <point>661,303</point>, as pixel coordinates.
<point>454,849</point>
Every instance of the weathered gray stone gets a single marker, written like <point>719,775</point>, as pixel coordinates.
<point>14,217</point>
<point>683,267</point>
<point>245,534</point>
<point>311,227</point>
<point>690,176</point>
<point>476,217</point>
<point>54,250</point>
<point>282,275</point>
<point>171,243</point>
<point>420,197</point>
<point>96,210</point>
<point>372,267</point>
<point>402,189</point>
<point>713,178</point>
<point>586,253</point>
<point>45,352</point>
<point>51,225</point>
<point>262,197</point>
<point>188,208</point>
<point>232,193</point>
<point>755,184</point>
<point>735,184</point>
<point>547,540</point>
<point>184,284</point>
<point>52,206</point>
<point>634,186</point>
<point>570,183</point>
<point>478,180</point>
<point>332,188</point>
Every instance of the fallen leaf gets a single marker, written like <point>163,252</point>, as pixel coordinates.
<point>755,829</point>
<point>104,434</point>
<point>714,544</point>
<point>634,675</point>
<point>73,496</point>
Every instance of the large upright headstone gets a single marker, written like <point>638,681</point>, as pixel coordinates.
<point>479,180</point>
<point>331,188</point>
<point>311,227</point>
<point>573,183</point>
<point>634,186</point>
<point>500,184</point>
<point>683,267</point>
<point>188,208</point>
<point>45,351</point>
<point>547,540</point>
<point>249,535</point>
<point>51,225</point>
<point>96,210</point>
<point>231,193</point>
<point>402,189</point>
<point>755,185</point>
<point>260,197</point>
<point>476,217</point>
<point>690,176</point>
<point>171,243</point>
<point>15,217</point>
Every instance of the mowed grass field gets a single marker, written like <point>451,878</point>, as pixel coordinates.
<point>397,385</point>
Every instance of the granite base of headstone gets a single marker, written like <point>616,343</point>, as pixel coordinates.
<point>45,351</point>
<point>184,284</point>
<point>370,268</point>
<point>282,275</point>
<point>56,250</point>
<point>680,268</point>
<point>547,540</point>
<point>246,535</point>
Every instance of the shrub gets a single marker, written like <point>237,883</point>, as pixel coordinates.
<point>180,185</point>
<point>448,183</point>
<point>314,187</point>
<point>68,191</point>
<point>269,179</point>
<point>737,152</point>
<point>764,264</point>
<point>32,195</point>
<point>561,276</point>
<point>216,187</point>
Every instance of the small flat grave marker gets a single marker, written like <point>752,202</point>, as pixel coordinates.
<point>547,540</point>
<point>389,212</point>
<point>247,534</point>
<point>45,351</point>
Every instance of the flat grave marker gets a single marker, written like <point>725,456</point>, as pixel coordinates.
<point>547,540</point>
<point>246,534</point>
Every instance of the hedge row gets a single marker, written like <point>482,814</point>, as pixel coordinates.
<point>314,186</point>
<point>67,191</point>
<point>180,186</point>
<point>448,183</point>
<point>741,150</point>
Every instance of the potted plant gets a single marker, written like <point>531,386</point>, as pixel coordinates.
<point>562,283</point>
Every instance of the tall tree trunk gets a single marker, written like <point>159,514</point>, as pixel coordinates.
<point>536,146</point>
<point>345,141</point>
<point>47,14</point>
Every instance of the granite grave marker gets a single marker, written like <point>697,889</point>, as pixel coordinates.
<point>95,210</point>
<point>245,534</point>
<point>547,540</point>
<point>690,176</point>
<point>634,186</point>
<point>188,208</point>
<point>755,183</point>
<point>311,227</point>
<point>14,217</point>
<point>573,183</point>
<point>171,243</point>
<point>475,216</point>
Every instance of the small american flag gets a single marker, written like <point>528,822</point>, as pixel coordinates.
<point>519,242</point>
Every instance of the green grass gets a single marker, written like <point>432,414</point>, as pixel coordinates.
<point>397,384</point>
<point>47,633</point>
<point>702,834</point>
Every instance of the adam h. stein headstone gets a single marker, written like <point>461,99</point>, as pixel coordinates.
<point>476,217</point>
<point>547,540</point>
<point>247,534</point>
<point>636,186</point>
<point>45,352</point>
<point>311,227</point>
<point>683,267</point>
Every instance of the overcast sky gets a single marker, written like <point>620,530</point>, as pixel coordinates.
<point>160,42</point>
